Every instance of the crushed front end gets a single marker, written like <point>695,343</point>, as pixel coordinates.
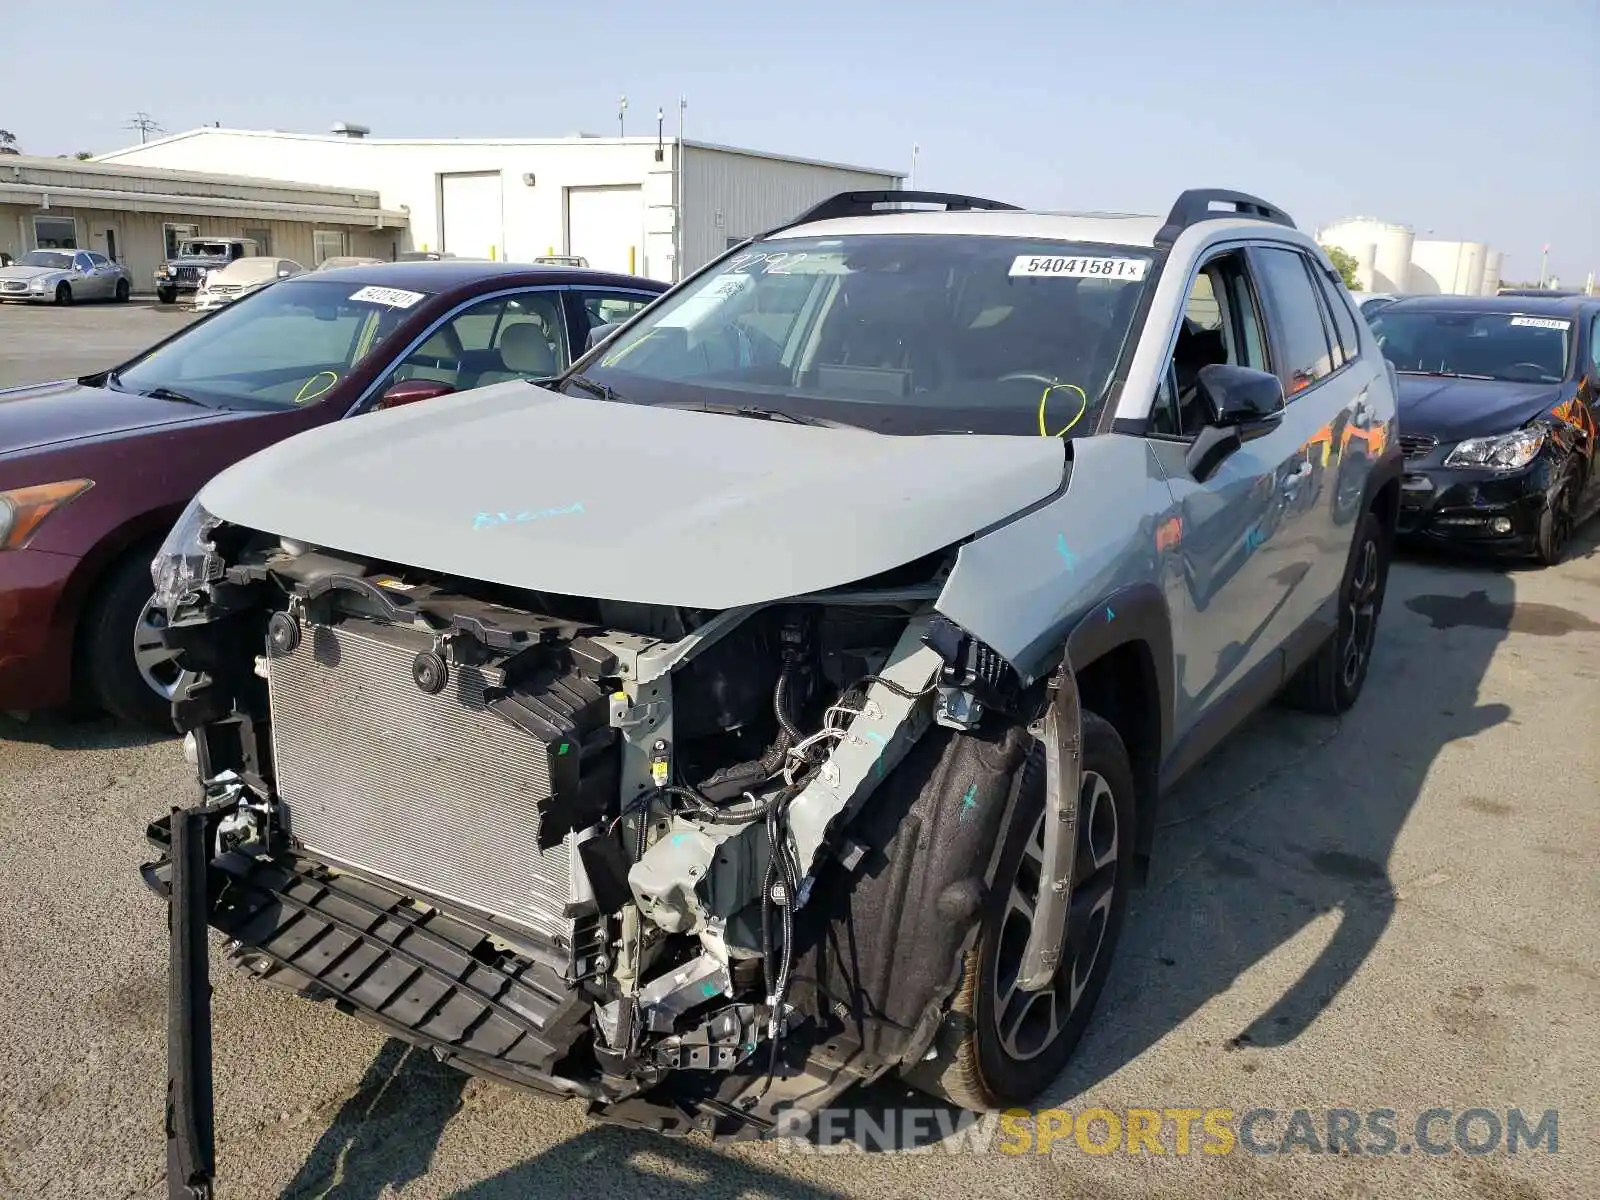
<point>598,849</point>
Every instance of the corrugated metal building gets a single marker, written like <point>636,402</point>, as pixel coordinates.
<point>614,201</point>
<point>137,214</point>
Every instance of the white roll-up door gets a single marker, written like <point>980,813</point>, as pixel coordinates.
<point>470,223</point>
<point>605,225</point>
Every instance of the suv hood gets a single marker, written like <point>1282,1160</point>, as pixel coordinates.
<point>48,414</point>
<point>521,486</point>
<point>1452,409</point>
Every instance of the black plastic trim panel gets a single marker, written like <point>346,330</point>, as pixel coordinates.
<point>369,948</point>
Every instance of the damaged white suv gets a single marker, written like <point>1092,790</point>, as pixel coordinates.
<point>782,697</point>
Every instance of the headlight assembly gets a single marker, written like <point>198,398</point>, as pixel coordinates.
<point>1505,452</point>
<point>23,510</point>
<point>188,559</point>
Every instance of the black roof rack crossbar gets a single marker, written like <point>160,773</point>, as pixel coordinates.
<point>1195,205</point>
<point>865,204</point>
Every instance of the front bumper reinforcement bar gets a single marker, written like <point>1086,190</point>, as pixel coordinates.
<point>191,1145</point>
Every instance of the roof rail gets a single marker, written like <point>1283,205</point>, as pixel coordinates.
<point>865,204</point>
<point>1195,205</point>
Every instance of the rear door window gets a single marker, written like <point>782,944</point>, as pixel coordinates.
<point>1294,314</point>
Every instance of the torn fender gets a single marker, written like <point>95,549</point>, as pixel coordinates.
<point>1060,731</point>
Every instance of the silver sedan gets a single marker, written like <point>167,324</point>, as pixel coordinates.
<point>62,276</point>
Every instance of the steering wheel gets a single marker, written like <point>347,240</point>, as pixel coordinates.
<point>1539,368</point>
<point>1035,376</point>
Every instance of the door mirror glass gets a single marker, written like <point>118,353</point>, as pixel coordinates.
<point>599,334</point>
<point>1239,395</point>
<point>411,391</point>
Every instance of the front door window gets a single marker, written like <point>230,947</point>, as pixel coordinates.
<point>502,338</point>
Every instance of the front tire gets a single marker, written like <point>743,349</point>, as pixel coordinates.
<point>167,295</point>
<point>123,291</point>
<point>122,663</point>
<point>1557,522</point>
<point>1010,1045</point>
<point>63,294</point>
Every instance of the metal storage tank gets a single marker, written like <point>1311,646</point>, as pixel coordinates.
<point>1469,270</point>
<point>1491,274</point>
<point>1385,244</point>
<point>1448,268</point>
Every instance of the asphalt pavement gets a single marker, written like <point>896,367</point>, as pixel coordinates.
<point>1396,910</point>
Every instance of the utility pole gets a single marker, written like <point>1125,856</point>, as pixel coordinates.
<point>911,183</point>
<point>622,112</point>
<point>1544,262</point>
<point>677,204</point>
<point>145,124</point>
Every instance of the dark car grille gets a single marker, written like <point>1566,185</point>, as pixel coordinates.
<point>188,272</point>
<point>1415,445</point>
<point>13,285</point>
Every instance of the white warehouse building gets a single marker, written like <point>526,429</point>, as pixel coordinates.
<point>1391,259</point>
<point>614,201</point>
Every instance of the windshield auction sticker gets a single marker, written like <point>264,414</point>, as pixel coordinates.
<point>1540,323</point>
<point>1076,266</point>
<point>392,297</point>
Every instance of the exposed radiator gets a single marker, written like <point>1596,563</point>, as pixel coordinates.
<point>432,791</point>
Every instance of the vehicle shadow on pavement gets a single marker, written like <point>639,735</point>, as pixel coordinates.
<point>61,732</point>
<point>384,1135</point>
<point>605,1160</point>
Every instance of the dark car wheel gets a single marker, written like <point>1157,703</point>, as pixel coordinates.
<point>1557,522</point>
<point>63,293</point>
<point>122,663</point>
<point>167,295</point>
<point>1332,680</point>
<point>123,291</point>
<point>1013,1044</point>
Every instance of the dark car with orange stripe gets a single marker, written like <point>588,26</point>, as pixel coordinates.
<point>94,471</point>
<point>1499,399</point>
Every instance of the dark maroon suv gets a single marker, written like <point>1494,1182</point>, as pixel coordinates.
<point>94,471</point>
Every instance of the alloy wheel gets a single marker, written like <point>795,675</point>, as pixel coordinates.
<point>1361,613</point>
<point>1028,1023</point>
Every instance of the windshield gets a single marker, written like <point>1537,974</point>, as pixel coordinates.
<point>46,258</point>
<point>902,333</point>
<point>203,250</point>
<point>1499,345</point>
<point>279,347</point>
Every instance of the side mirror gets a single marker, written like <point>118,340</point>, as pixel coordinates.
<point>1239,395</point>
<point>1241,403</point>
<point>599,334</point>
<point>411,391</point>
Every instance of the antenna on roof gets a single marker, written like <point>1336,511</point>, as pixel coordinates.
<point>145,124</point>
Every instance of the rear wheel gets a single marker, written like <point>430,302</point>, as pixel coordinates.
<point>127,670</point>
<point>123,291</point>
<point>1332,680</point>
<point>1009,1045</point>
<point>63,293</point>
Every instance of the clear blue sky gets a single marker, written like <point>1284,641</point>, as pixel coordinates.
<point>1477,119</point>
